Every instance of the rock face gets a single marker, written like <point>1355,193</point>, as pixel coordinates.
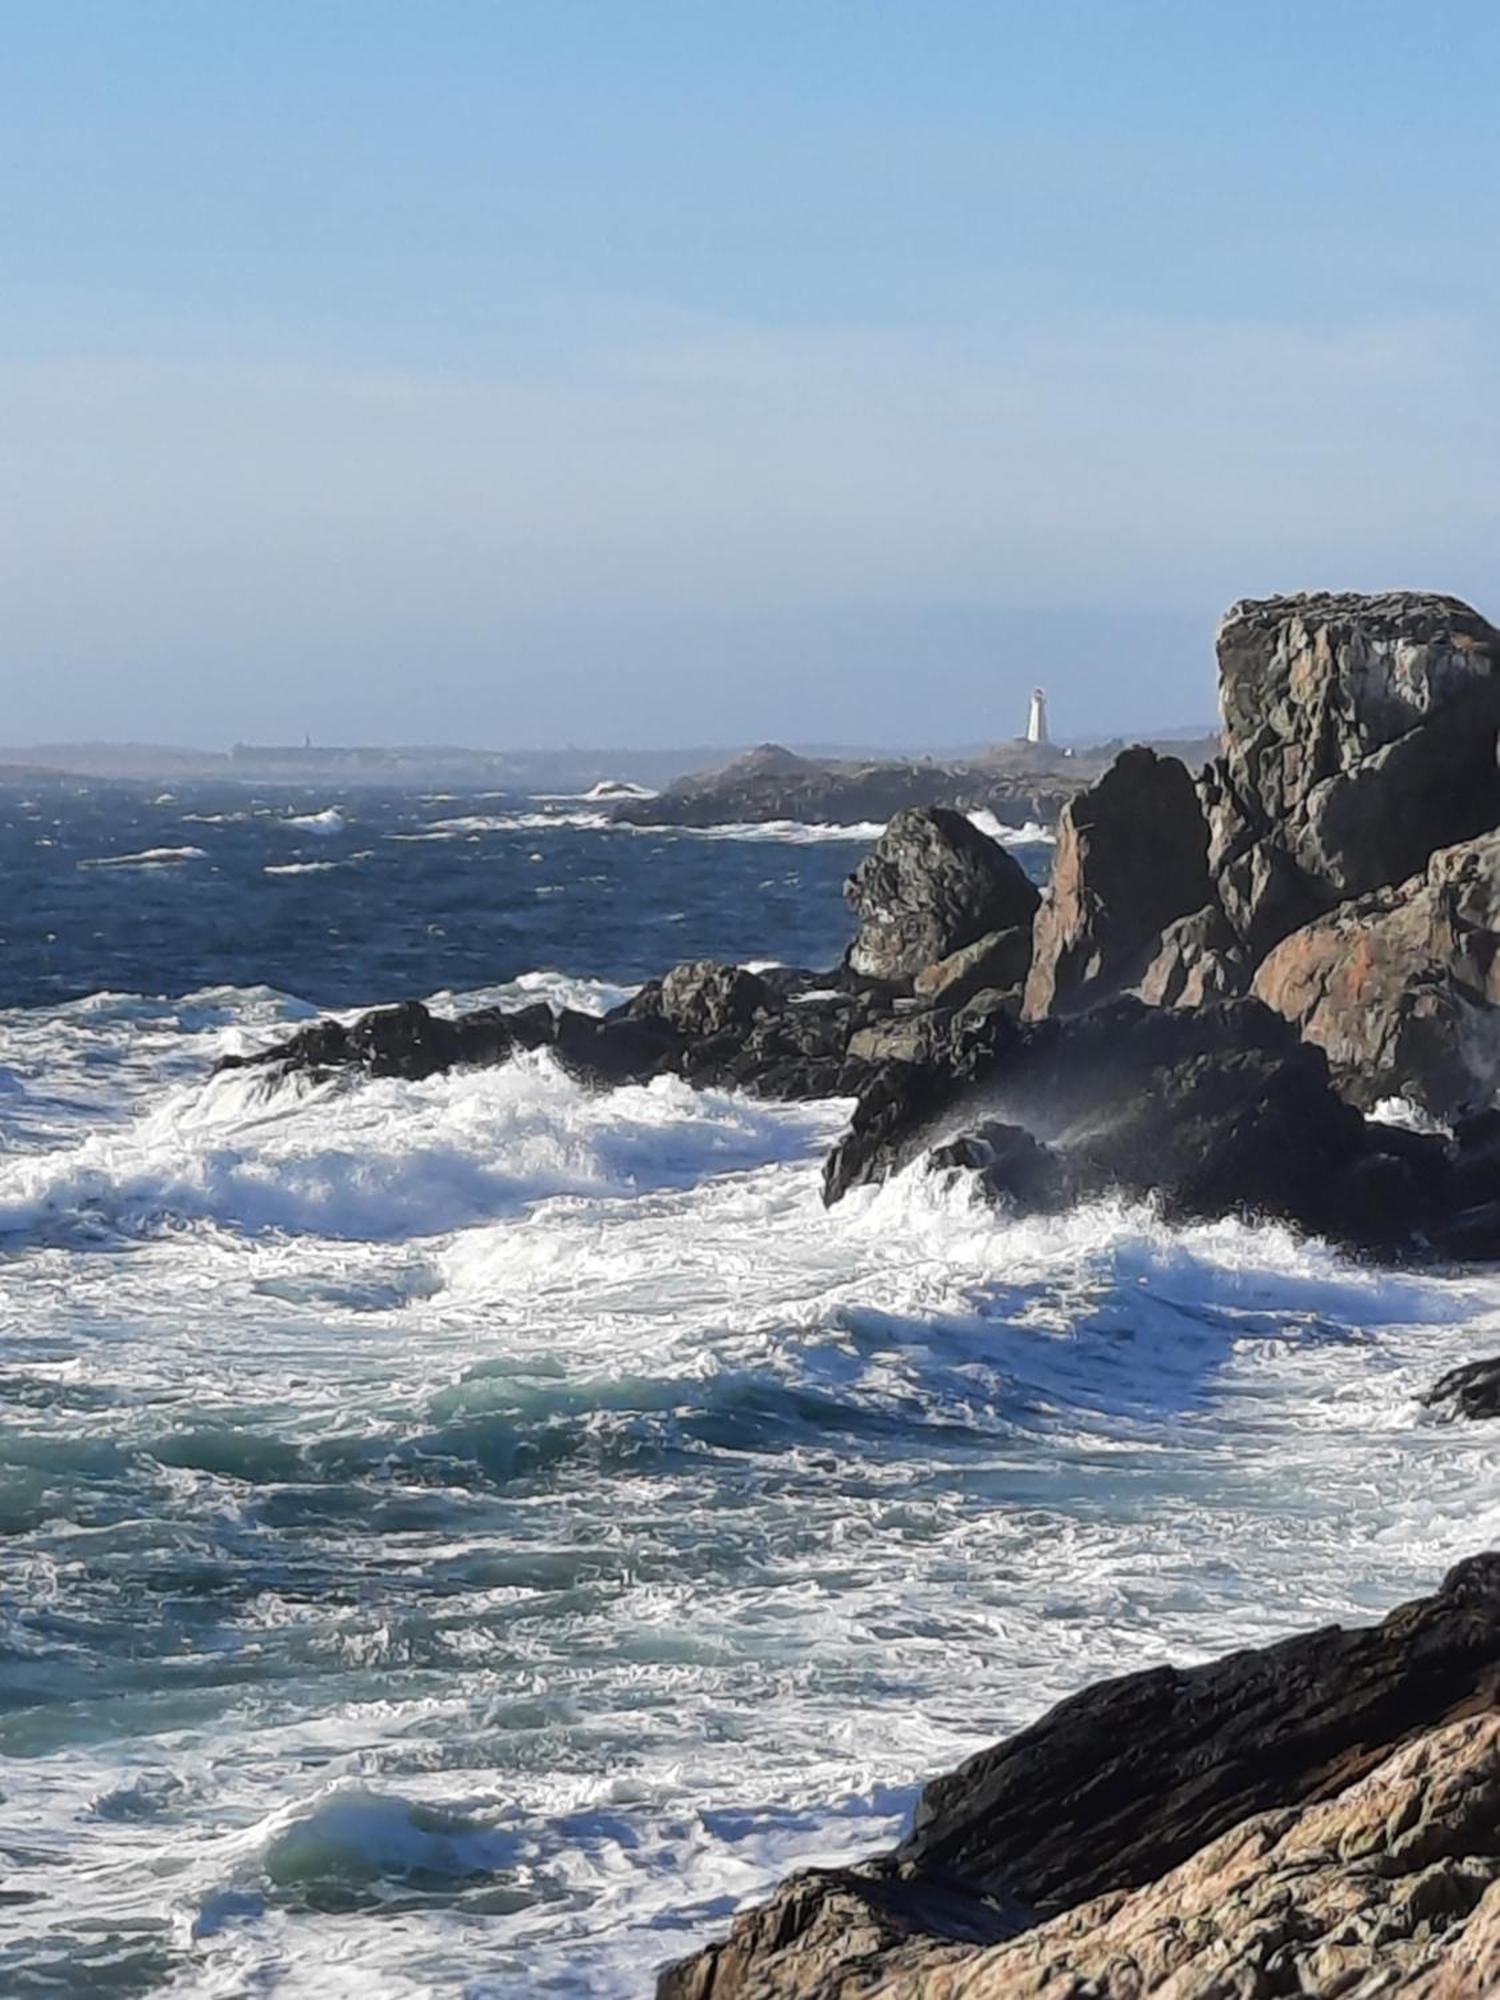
<point>1399,988</point>
<point>1304,1815</point>
<point>997,962</point>
<point>1195,961</point>
<point>932,884</point>
<point>1392,1886</point>
<point>1359,736</point>
<point>1132,857</point>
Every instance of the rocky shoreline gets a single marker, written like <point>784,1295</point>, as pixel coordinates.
<point>1228,975</point>
<point>1318,1817</point>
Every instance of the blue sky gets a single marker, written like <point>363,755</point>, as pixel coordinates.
<point>652,372</point>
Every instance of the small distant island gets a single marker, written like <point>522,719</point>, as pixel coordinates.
<point>1025,780</point>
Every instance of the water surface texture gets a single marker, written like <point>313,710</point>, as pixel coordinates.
<point>461,1538</point>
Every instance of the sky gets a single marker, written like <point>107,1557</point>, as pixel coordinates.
<point>653,372</point>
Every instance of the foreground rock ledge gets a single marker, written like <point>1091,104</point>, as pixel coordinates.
<point>1320,1816</point>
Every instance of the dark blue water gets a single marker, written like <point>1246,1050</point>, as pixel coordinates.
<point>389,910</point>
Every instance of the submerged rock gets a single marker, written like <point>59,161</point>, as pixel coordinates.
<point>932,884</point>
<point>1307,1815</point>
<point>1471,1391</point>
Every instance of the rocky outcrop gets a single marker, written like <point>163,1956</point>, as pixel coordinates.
<point>1132,858</point>
<point>1210,1111</point>
<point>932,884</point>
<point>705,998</point>
<point>786,1034</point>
<point>406,1040</point>
<point>1359,736</point>
<point>1285,1820</point>
<point>1400,988</point>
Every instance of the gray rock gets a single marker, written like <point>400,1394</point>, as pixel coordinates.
<point>1359,736</point>
<point>1132,857</point>
<point>932,884</point>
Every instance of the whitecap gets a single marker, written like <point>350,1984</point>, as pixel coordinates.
<point>150,857</point>
<point>329,821</point>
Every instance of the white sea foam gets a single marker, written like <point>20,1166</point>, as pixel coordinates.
<point>329,821</point>
<point>1031,834</point>
<point>785,832</point>
<point>298,867</point>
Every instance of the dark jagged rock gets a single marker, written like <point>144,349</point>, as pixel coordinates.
<point>783,1036</point>
<point>1126,1782</point>
<point>1400,988</point>
<point>1132,857</point>
<point>1359,737</point>
<point>901,1102</point>
<point>705,998</point>
<point>407,1041</point>
<point>404,1040</point>
<point>932,884</point>
<point>1472,1391</point>
<point>1010,1166</point>
<point>612,1052</point>
<point>1212,1111</point>
<point>1116,1785</point>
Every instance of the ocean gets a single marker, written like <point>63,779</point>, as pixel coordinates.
<point>462,1538</point>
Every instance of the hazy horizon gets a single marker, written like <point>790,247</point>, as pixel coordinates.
<point>527,375</point>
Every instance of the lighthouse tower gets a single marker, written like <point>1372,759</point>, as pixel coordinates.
<point>1036,721</point>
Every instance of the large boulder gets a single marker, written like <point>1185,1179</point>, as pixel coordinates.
<point>1359,736</point>
<point>932,884</point>
<point>1132,857</point>
<point>1301,1818</point>
<point>1400,988</point>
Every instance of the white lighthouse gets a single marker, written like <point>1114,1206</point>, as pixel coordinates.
<point>1036,720</point>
